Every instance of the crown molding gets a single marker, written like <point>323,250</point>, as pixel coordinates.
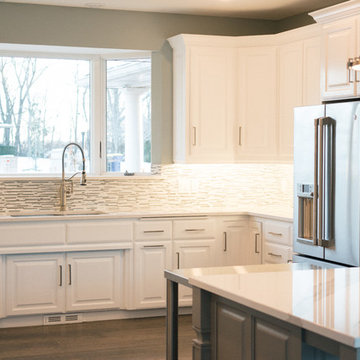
<point>336,12</point>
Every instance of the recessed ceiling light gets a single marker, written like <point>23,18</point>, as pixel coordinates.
<point>94,5</point>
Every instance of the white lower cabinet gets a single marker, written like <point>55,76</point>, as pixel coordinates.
<point>35,284</point>
<point>234,239</point>
<point>190,254</point>
<point>151,259</point>
<point>93,281</point>
<point>253,253</point>
<point>55,282</point>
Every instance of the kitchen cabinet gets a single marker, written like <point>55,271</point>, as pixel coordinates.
<point>152,255</point>
<point>257,109</point>
<point>151,259</point>
<point>253,250</point>
<point>194,245</point>
<point>339,45</point>
<point>234,238</point>
<point>234,96</point>
<point>240,333</point>
<point>93,280</point>
<point>277,246</point>
<point>204,102</point>
<point>50,283</point>
<point>299,85</point>
<point>35,284</point>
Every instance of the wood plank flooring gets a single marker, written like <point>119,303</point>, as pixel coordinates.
<point>130,339</point>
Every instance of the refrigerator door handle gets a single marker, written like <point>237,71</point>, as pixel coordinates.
<point>321,181</point>
<point>327,183</point>
<point>315,198</point>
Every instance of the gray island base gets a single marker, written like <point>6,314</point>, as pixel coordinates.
<point>230,322</point>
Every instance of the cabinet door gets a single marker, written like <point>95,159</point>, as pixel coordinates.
<point>234,243</point>
<point>151,259</point>
<point>254,248</point>
<point>274,342</point>
<point>190,254</point>
<point>339,43</point>
<point>257,103</point>
<point>230,332</point>
<point>34,284</point>
<point>311,71</point>
<point>212,87</point>
<point>93,280</point>
<point>290,91</point>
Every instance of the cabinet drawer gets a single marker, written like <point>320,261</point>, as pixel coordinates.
<point>153,230</point>
<point>277,232</point>
<point>32,234</point>
<point>277,254</point>
<point>194,229</point>
<point>99,232</point>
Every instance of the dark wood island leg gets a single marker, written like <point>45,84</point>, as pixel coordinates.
<point>171,320</point>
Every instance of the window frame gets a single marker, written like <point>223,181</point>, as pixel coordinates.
<point>97,112</point>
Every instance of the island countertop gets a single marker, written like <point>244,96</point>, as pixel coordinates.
<point>324,301</point>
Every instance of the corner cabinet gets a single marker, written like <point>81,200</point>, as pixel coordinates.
<point>204,102</point>
<point>234,96</point>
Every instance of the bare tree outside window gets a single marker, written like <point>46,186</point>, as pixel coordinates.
<point>42,108</point>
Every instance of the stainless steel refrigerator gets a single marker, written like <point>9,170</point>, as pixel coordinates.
<point>327,183</point>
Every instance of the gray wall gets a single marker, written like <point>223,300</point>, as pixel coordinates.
<point>66,26</point>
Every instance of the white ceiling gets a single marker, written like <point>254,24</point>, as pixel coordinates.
<point>260,9</point>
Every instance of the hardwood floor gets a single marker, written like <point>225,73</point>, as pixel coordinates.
<point>140,339</point>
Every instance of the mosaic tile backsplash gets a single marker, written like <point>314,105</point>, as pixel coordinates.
<point>175,188</point>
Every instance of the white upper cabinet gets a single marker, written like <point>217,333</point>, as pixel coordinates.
<point>339,45</point>
<point>212,102</point>
<point>204,102</point>
<point>290,93</point>
<point>340,42</point>
<point>234,96</point>
<point>311,71</point>
<point>256,100</point>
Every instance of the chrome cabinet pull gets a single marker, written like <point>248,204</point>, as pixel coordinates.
<point>276,234</point>
<point>194,230</point>
<point>194,135</point>
<point>70,282</point>
<point>240,140</point>
<point>256,243</point>
<point>153,231</point>
<point>275,255</point>
<point>61,275</point>
<point>178,260</point>
<point>225,241</point>
<point>153,246</point>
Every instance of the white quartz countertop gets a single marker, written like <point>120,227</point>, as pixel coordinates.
<point>325,301</point>
<point>271,212</point>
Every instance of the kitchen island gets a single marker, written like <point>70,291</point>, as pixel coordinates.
<point>272,312</point>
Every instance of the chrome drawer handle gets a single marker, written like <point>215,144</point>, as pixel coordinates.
<point>194,229</point>
<point>276,234</point>
<point>276,255</point>
<point>153,231</point>
<point>153,246</point>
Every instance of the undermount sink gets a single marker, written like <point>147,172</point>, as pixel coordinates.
<point>57,213</point>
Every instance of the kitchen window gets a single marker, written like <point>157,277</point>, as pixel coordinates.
<point>100,101</point>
